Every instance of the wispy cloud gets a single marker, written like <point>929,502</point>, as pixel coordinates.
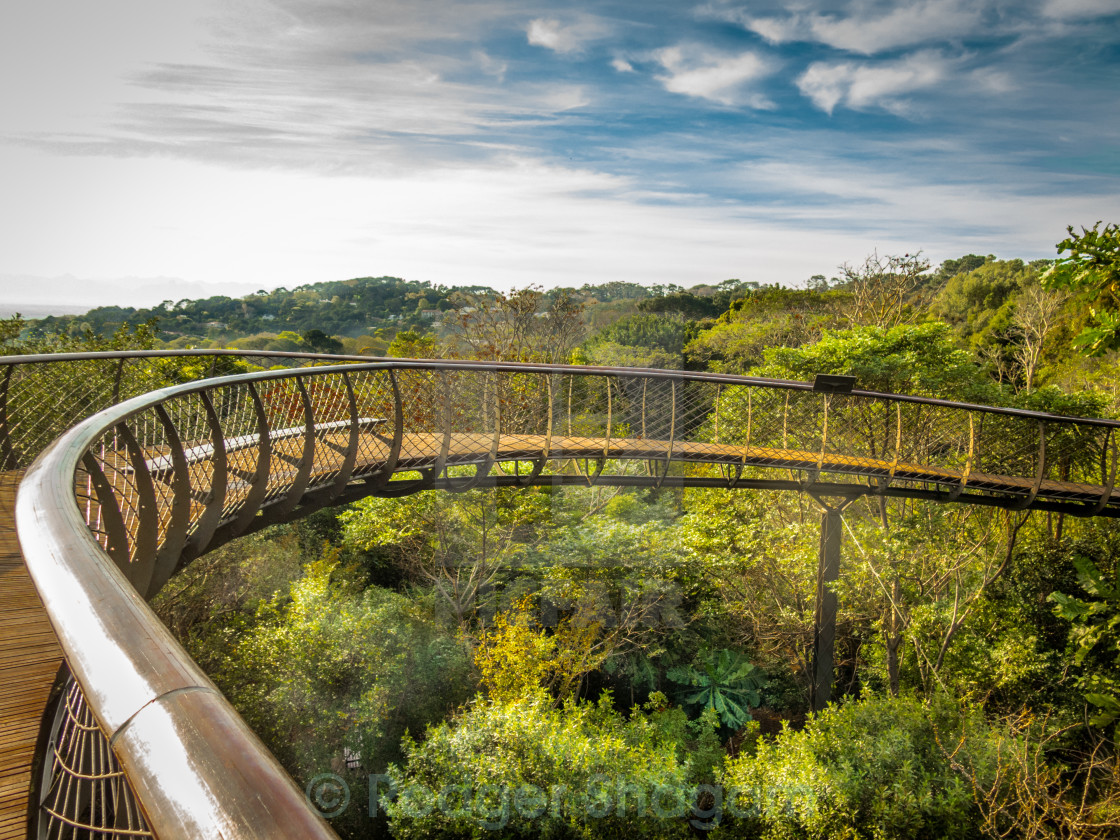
<point>350,90</point>
<point>878,198</point>
<point>866,27</point>
<point>494,123</point>
<point>1080,8</point>
<point>865,86</point>
<point>695,71</point>
<point>563,37</point>
<point>490,65</point>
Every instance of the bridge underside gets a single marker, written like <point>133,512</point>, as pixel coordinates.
<point>538,460</point>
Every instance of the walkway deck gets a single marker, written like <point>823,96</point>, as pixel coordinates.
<point>29,659</point>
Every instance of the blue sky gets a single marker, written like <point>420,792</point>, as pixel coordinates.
<point>254,143</point>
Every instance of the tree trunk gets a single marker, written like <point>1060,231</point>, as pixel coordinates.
<point>894,638</point>
<point>893,644</point>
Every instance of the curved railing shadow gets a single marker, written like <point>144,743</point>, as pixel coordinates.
<point>117,504</point>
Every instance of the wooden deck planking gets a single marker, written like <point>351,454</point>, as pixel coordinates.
<point>29,660</point>
<point>421,449</point>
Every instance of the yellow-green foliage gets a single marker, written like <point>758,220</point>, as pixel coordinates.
<point>526,768</point>
<point>333,667</point>
<point>516,657</point>
<point>879,769</point>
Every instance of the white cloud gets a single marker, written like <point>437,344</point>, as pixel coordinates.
<point>1080,8</point>
<point>866,86</point>
<point>870,28</point>
<point>506,227</point>
<point>490,65</point>
<point>717,77</point>
<point>344,87</point>
<point>299,140</point>
<point>550,34</point>
<point>564,37</point>
<point>776,30</point>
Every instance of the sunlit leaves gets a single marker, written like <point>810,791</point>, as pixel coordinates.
<point>906,359</point>
<point>592,769</point>
<point>1095,631</point>
<point>1091,270</point>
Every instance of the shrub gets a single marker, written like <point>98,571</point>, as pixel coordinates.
<point>516,656</point>
<point>531,769</point>
<point>874,768</point>
<point>340,672</point>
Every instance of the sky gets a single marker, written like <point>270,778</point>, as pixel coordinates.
<point>153,150</point>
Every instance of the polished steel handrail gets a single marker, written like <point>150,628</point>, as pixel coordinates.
<point>116,504</point>
<point>195,767</point>
<point>84,355</point>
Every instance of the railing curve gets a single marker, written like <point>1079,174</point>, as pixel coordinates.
<point>118,503</point>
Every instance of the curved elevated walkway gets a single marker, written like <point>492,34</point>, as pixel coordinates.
<point>117,504</point>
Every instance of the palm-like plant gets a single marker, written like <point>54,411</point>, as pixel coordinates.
<point>725,681</point>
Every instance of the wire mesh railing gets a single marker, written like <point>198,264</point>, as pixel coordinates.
<point>84,793</point>
<point>122,500</point>
<point>42,396</point>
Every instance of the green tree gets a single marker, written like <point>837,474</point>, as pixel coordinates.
<point>642,340</point>
<point>10,330</point>
<point>766,316</point>
<point>317,341</point>
<point>408,344</point>
<point>1095,636</point>
<point>332,669</point>
<point>976,302</point>
<point>875,768</point>
<point>1091,271</point>
<point>458,546</point>
<point>287,340</point>
<point>917,359</point>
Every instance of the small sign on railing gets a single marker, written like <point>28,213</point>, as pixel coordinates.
<point>833,383</point>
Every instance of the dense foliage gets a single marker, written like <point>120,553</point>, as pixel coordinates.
<point>594,662</point>
<point>533,769</point>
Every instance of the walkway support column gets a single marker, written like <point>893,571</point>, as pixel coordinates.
<point>824,617</point>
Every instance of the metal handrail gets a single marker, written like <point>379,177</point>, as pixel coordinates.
<point>196,768</point>
<point>85,355</point>
<point>466,364</point>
